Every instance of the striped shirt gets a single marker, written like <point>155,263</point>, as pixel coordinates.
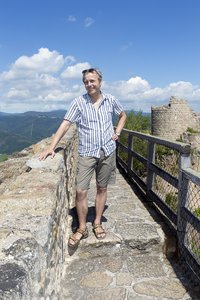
<point>95,125</point>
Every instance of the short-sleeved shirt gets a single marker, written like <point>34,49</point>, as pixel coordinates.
<point>95,125</point>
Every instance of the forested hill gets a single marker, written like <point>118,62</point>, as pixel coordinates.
<point>18,131</point>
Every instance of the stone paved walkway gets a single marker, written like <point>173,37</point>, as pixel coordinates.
<point>129,263</point>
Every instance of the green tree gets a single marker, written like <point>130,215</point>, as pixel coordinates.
<point>137,121</point>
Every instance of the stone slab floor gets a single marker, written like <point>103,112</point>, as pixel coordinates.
<point>129,263</point>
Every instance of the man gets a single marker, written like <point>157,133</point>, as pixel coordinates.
<point>93,113</point>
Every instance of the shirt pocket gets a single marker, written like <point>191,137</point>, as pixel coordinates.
<point>107,113</point>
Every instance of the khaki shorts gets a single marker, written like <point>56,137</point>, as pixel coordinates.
<point>104,167</point>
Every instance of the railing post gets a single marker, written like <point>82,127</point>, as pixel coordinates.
<point>183,182</point>
<point>130,157</point>
<point>150,173</point>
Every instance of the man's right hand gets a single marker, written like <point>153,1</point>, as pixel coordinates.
<point>46,153</point>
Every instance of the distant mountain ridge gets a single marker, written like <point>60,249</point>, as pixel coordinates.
<point>20,130</point>
<point>53,113</point>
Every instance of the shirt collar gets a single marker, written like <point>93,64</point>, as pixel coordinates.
<point>88,98</point>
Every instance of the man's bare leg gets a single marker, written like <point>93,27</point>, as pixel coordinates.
<point>82,210</point>
<point>100,202</point>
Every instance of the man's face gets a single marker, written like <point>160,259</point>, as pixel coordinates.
<point>92,83</point>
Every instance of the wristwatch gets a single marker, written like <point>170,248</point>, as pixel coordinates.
<point>117,133</point>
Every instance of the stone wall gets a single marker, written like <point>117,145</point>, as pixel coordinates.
<point>35,198</point>
<point>170,121</point>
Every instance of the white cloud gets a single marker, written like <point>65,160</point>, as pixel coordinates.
<point>14,93</point>
<point>130,88</point>
<point>70,60</point>
<point>43,61</point>
<point>47,80</point>
<point>74,71</point>
<point>137,94</point>
<point>71,19</point>
<point>88,21</point>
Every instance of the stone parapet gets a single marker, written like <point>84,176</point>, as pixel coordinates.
<point>35,198</point>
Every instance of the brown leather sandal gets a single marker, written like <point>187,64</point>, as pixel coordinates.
<point>84,235</point>
<point>98,231</point>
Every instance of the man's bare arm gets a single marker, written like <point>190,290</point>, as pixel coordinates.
<point>121,122</point>
<point>63,128</point>
<point>120,125</point>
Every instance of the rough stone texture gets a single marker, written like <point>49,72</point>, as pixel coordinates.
<point>35,198</point>
<point>96,280</point>
<point>145,266</point>
<point>13,282</point>
<point>162,288</point>
<point>108,294</point>
<point>170,121</point>
<point>129,262</point>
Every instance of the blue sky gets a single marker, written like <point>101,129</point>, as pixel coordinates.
<point>147,50</point>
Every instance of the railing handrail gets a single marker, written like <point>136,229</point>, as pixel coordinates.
<point>176,145</point>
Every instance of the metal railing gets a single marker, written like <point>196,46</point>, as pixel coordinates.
<point>161,170</point>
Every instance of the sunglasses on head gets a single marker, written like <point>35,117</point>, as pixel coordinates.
<point>91,70</point>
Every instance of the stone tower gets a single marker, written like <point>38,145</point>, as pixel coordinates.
<point>172,120</point>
